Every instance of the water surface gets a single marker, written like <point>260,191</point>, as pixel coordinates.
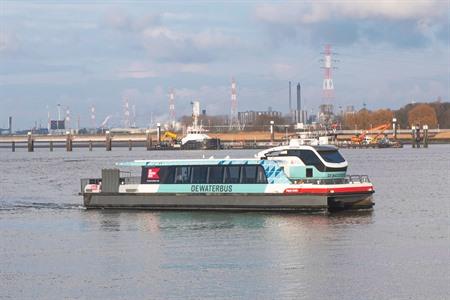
<point>52,248</point>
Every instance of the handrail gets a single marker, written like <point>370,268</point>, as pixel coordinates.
<point>345,180</point>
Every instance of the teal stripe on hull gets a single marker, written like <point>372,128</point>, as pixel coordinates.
<point>212,188</point>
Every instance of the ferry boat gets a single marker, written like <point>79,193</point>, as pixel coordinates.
<point>289,177</point>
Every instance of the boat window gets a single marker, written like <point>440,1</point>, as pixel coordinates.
<point>273,154</point>
<point>261,175</point>
<point>249,174</point>
<point>332,156</point>
<point>199,174</point>
<point>182,175</point>
<point>309,158</point>
<point>215,174</point>
<point>232,174</point>
<point>167,174</point>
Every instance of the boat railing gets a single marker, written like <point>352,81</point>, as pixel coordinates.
<point>125,178</point>
<point>358,178</point>
<point>344,180</point>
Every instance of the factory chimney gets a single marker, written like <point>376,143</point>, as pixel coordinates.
<point>299,97</point>
<point>10,125</point>
<point>290,98</point>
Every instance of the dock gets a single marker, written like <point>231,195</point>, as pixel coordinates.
<point>149,140</point>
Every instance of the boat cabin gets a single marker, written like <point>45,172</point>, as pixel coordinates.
<point>204,174</point>
<point>308,162</point>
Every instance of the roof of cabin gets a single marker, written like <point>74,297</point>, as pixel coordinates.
<point>191,162</point>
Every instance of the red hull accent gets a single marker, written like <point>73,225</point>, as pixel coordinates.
<point>330,191</point>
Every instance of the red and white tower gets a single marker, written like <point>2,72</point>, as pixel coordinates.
<point>328,86</point>
<point>93,122</point>
<point>326,115</point>
<point>234,120</point>
<point>172,117</point>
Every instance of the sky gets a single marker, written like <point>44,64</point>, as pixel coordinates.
<point>95,53</point>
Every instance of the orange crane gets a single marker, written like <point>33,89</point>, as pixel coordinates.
<point>360,138</point>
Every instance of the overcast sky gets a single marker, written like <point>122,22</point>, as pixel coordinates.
<point>83,53</point>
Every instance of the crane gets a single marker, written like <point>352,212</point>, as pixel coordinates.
<point>103,124</point>
<point>359,139</point>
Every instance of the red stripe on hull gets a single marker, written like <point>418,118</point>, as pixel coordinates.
<point>330,191</point>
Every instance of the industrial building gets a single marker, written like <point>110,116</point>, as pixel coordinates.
<point>249,117</point>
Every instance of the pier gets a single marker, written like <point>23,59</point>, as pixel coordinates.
<point>232,140</point>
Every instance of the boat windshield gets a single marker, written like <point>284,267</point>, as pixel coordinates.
<point>332,156</point>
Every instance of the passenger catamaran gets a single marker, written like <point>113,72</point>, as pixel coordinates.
<point>290,177</point>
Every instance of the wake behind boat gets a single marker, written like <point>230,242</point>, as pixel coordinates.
<point>290,177</point>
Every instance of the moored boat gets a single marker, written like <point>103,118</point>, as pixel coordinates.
<point>290,177</point>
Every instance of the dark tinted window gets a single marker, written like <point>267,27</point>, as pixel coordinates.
<point>261,175</point>
<point>199,174</point>
<point>332,156</point>
<point>215,174</point>
<point>232,174</point>
<point>249,174</point>
<point>183,175</point>
<point>309,158</point>
<point>167,174</point>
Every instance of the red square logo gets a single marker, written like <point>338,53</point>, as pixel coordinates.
<point>153,173</point>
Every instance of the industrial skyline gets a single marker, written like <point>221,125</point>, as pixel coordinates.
<point>392,54</point>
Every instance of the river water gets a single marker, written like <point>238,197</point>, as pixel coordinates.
<point>52,248</point>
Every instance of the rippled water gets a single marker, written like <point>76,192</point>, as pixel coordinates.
<point>51,248</point>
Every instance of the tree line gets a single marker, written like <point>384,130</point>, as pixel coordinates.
<point>434,114</point>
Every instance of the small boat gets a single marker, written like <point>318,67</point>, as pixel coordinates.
<point>196,137</point>
<point>285,178</point>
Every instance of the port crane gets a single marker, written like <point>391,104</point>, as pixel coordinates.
<point>364,138</point>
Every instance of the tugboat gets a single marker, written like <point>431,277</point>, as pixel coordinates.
<point>196,137</point>
<point>286,178</point>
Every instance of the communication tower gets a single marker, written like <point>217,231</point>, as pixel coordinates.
<point>234,120</point>
<point>93,122</point>
<point>126,113</point>
<point>172,118</point>
<point>326,115</point>
<point>328,85</point>
<point>133,119</point>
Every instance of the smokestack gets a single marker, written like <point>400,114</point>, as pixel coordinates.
<point>10,125</point>
<point>299,98</point>
<point>290,98</point>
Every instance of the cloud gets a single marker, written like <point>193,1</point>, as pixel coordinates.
<point>170,43</point>
<point>400,23</point>
<point>140,69</point>
<point>165,44</point>
<point>318,11</point>
<point>8,42</point>
<point>283,71</point>
<point>137,70</point>
<point>120,20</point>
